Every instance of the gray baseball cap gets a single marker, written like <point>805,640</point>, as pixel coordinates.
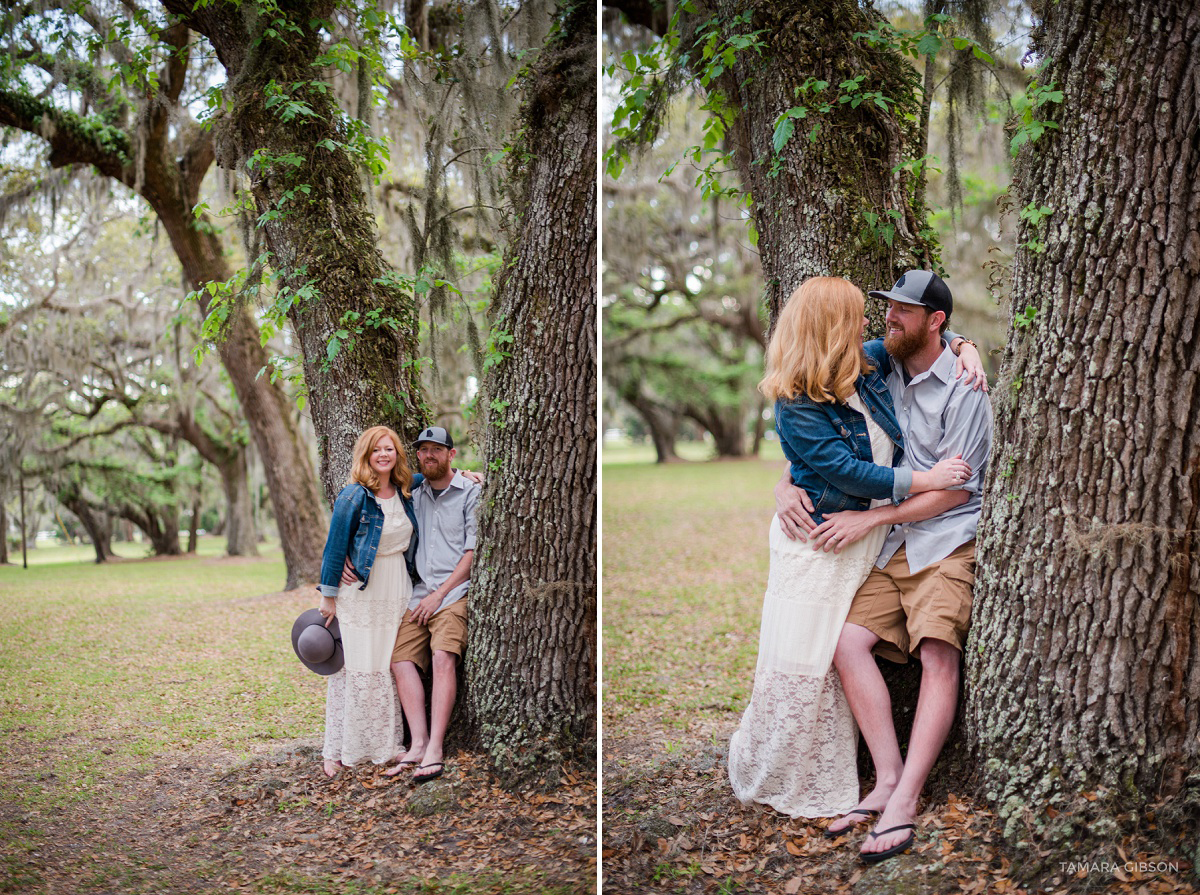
<point>920,287</point>
<point>437,435</point>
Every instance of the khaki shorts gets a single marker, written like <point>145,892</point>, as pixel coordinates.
<point>902,609</point>
<point>447,630</point>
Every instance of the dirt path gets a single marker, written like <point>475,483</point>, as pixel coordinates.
<point>672,825</point>
<point>274,824</point>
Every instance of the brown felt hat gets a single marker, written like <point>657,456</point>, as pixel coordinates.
<point>318,647</point>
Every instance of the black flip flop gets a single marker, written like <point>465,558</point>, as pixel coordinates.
<point>876,856</point>
<point>441,767</point>
<point>868,814</point>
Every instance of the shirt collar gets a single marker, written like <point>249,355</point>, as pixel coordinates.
<point>457,481</point>
<point>943,367</point>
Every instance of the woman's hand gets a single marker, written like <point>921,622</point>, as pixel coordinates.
<point>949,473</point>
<point>842,529</point>
<point>349,575</point>
<point>328,609</point>
<point>969,367</point>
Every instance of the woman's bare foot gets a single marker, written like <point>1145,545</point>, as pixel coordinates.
<point>331,767</point>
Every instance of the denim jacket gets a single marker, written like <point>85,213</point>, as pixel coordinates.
<point>829,447</point>
<point>354,531</point>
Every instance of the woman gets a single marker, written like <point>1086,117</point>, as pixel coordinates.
<point>796,747</point>
<point>374,527</point>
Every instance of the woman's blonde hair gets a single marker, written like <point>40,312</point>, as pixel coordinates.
<point>361,471</point>
<point>816,348</point>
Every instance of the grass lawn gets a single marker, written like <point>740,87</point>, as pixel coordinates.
<point>147,656</point>
<point>685,564</point>
<point>162,737</point>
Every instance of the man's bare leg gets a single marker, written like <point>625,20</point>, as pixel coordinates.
<point>412,701</point>
<point>872,707</point>
<point>935,715</point>
<point>445,689</point>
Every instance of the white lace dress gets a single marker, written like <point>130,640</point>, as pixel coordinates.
<point>362,711</point>
<point>796,747</point>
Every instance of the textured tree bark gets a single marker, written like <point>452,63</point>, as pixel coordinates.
<point>810,209</point>
<point>317,224</point>
<point>3,533</point>
<point>531,668</point>
<point>1084,660</point>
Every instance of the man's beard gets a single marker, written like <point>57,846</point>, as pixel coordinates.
<point>904,345</point>
<point>435,469</point>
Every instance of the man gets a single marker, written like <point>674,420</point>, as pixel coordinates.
<point>434,629</point>
<point>917,599</point>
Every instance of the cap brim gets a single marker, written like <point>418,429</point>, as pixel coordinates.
<point>897,296</point>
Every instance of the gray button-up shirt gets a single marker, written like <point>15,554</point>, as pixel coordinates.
<point>446,525</point>
<point>940,417</point>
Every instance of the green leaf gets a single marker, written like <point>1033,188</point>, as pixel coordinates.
<point>929,45</point>
<point>783,132</point>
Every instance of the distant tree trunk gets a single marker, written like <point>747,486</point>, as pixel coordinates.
<point>3,532</point>
<point>159,524</point>
<point>662,423</point>
<point>725,425</point>
<point>193,528</point>
<point>1083,667</point>
<point>532,653</point>
<point>240,537</point>
<point>812,211</point>
<point>97,523</point>
<point>317,224</point>
<point>760,426</point>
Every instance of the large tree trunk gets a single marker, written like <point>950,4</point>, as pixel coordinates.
<point>532,655</point>
<point>291,481</point>
<point>318,226</point>
<point>3,532</point>
<point>812,202</point>
<point>1083,666</point>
